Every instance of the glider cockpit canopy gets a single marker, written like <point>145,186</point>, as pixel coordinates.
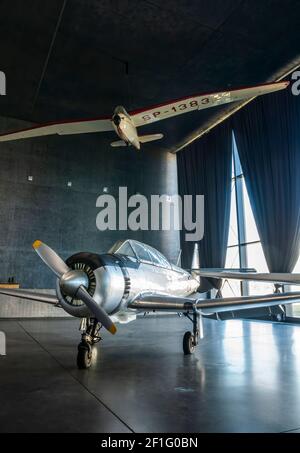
<point>121,110</point>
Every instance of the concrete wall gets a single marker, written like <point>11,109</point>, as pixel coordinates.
<point>65,217</point>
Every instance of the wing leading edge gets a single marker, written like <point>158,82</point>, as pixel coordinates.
<point>62,128</point>
<point>148,301</point>
<point>281,278</point>
<point>31,295</point>
<point>163,302</point>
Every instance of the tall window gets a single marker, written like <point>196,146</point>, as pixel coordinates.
<point>244,246</point>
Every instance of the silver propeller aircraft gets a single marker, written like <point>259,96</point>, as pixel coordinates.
<point>126,124</point>
<point>134,277</point>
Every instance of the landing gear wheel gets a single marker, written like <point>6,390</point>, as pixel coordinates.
<point>188,343</point>
<point>84,356</point>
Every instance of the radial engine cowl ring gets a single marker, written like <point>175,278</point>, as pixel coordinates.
<point>80,262</point>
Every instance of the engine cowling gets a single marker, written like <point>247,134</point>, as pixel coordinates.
<point>105,283</point>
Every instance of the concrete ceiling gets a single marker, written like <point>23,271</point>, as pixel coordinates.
<point>68,59</point>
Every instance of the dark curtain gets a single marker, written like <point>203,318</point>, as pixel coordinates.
<point>204,168</point>
<point>267,133</point>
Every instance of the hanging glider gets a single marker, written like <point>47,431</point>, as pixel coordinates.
<point>125,124</point>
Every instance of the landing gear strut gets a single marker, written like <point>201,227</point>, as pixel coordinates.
<point>191,339</point>
<point>90,335</point>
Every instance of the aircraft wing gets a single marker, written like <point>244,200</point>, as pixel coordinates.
<point>31,295</point>
<point>61,128</point>
<point>148,302</point>
<point>281,278</point>
<point>200,101</point>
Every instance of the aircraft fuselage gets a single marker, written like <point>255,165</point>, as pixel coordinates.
<point>125,128</point>
<point>120,278</point>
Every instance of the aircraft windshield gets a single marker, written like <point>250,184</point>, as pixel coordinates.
<point>142,252</point>
<point>121,110</point>
<point>123,248</point>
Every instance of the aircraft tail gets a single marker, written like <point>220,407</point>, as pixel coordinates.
<point>150,138</point>
<point>196,263</point>
<point>141,138</point>
<point>205,275</point>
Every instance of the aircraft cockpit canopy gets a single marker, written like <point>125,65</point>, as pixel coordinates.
<point>120,110</point>
<point>141,252</point>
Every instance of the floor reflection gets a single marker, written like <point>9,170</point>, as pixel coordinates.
<point>243,377</point>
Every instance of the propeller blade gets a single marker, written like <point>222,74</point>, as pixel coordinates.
<point>59,267</point>
<point>98,311</point>
<point>50,258</point>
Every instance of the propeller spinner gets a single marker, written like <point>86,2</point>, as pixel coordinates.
<point>73,283</point>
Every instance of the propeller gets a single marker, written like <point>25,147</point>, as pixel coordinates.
<point>73,283</point>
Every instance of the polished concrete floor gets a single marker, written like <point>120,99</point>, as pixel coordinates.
<point>244,377</point>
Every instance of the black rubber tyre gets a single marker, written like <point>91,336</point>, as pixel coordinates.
<point>84,356</point>
<point>188,343</point>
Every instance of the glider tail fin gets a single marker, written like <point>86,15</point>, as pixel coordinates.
<point>150,138</point>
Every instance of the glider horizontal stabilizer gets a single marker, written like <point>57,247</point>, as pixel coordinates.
<point>150,138</point>
<point>118,143</point>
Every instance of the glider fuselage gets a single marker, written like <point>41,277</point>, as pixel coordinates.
<point>125,128</point>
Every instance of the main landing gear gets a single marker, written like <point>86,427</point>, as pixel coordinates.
<point>90,335</point>
<point>191,339</point>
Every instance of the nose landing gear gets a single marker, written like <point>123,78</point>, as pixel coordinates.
<point>84,355</point>
<point>90,335</point>
<point>191,339</point>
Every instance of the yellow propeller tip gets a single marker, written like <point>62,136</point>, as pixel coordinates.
<point>113,329</point>
<point>36,244</point>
